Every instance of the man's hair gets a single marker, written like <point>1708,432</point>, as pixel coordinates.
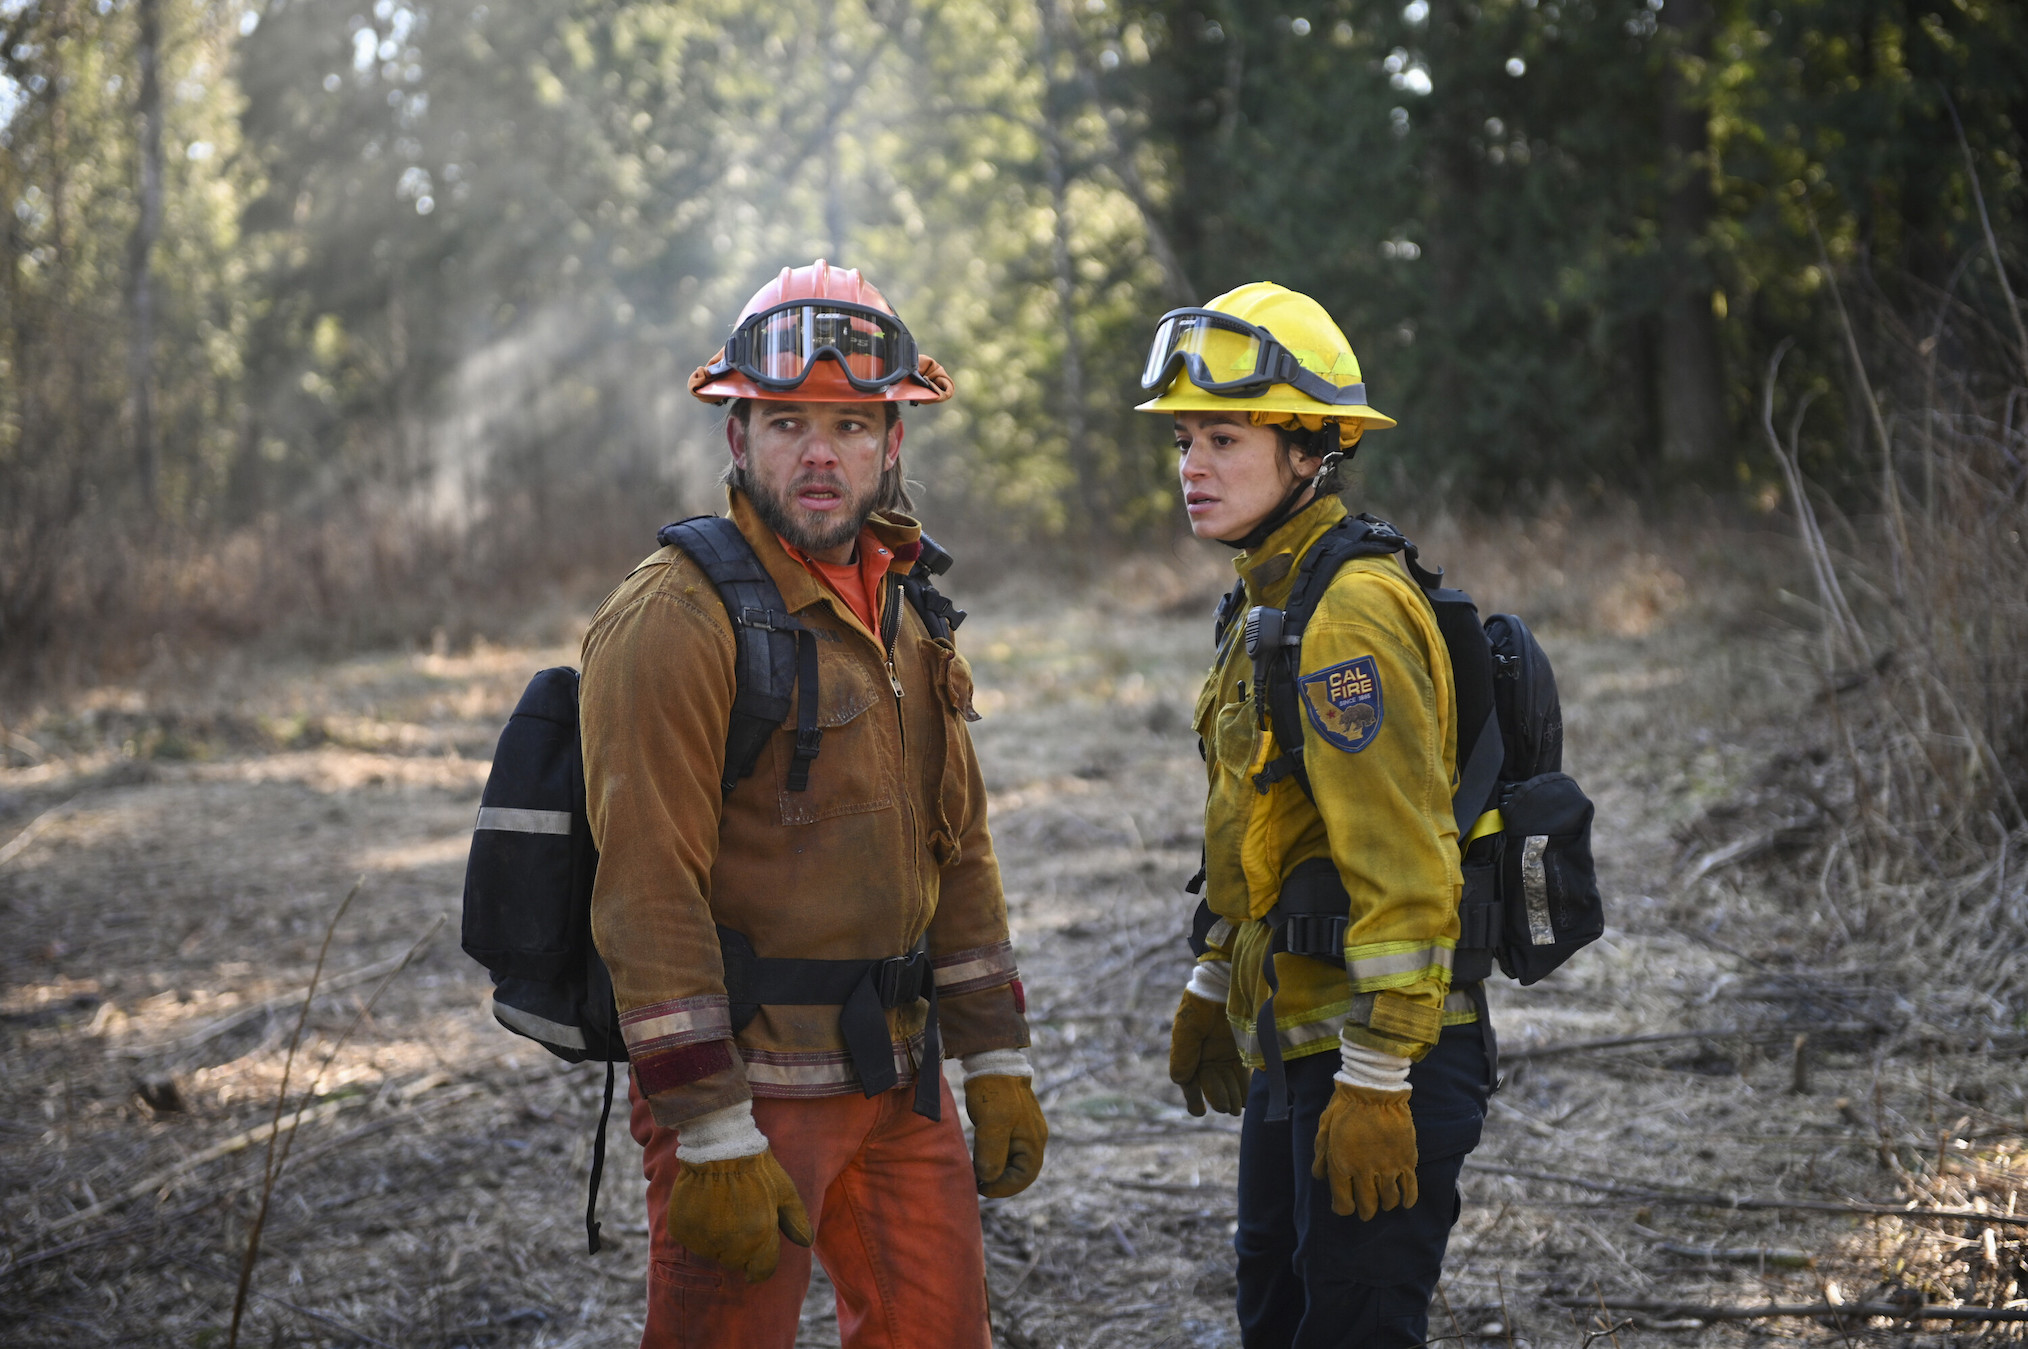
<point>893,494</point>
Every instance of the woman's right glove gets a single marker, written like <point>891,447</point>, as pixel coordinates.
<point>1366,1137</point>
<point>1204,1058</point>
<point>728,1203</point>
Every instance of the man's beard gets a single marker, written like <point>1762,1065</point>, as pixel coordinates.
<point>811,531</point>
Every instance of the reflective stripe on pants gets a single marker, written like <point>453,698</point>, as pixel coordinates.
<point>896,1212</point>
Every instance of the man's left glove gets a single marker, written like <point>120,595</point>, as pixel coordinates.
<point>1009,1134</point>
<point>728,1203</point>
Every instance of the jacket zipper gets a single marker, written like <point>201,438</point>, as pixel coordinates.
<point>890,629</point>
<point>888,615</point>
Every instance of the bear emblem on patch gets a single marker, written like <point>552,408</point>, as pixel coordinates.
<point>1343,703</point>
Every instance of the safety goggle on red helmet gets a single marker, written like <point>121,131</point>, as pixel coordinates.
<point>1232,358</point>
<point>778,348</point>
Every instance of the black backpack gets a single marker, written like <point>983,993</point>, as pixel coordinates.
<point>528,882</point>
<point>1531,897</point>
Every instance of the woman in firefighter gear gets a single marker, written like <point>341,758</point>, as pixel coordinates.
<point>763,1119</point>
<point>1346,1202</point>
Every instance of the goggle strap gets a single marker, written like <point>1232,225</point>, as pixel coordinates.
<point>1278,364</point>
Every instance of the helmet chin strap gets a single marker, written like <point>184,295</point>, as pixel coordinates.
<point>1324,479</point>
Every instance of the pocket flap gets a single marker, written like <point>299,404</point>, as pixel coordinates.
<point>1551,804</point>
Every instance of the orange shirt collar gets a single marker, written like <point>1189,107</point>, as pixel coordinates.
<point>857,583</point>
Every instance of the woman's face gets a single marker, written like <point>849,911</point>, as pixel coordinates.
<point>1234,473</point>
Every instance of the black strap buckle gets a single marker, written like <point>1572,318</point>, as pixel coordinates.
<point>767,620</point>
<point>1315,934</point>
<point>898,979</point>
<point>1284,765</point>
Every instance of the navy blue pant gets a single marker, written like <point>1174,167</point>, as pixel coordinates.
<point>1309,1279</point>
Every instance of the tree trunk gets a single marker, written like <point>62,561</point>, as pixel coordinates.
<point>147,225</point>
<point>1692,394</point>
<point>1092,504</point>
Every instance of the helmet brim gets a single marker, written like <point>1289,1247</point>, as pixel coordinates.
<point>1281,398</point>
<point>826,383</point>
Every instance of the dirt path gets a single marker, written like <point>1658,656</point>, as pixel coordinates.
<point>167,876</point>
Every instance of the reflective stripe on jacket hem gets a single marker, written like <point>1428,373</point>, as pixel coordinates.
<point>786,1074</point>
<point>1309,1036</point>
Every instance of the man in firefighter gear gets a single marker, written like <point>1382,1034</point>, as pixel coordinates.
<point>1346,1203</point>
<point>761,1121</point>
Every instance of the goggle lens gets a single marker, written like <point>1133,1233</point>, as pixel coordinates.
<point>1216,354</point>
<point>781,345</point>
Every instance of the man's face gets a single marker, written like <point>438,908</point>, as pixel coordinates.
<point>813,469</point>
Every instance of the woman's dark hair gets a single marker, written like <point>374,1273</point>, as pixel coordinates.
<point>1314,445</point>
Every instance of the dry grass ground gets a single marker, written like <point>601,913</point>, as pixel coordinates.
<point>169,865</point>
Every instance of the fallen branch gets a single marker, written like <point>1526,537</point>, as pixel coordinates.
<point>1721,1312</point>
<point>411,1107</point>
<point>169,1175</point>
<point>1673,1036</point>
<point>308,1313</point>
<point>19,843</point>
<point>139,1225</point>
<point>1652,1195</point>
<point>183,1044</point>
<point>1744,1255</point>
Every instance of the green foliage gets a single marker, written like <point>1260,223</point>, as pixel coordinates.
<point>433,275</point>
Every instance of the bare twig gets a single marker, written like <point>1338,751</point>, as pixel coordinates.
<point>1743,1255</point>
<point>1703,1311</point>
<point>1992,243</point>
<point>271,1170</point>
<point>183,1044</point>
<point>29,832</point>
<point>1890,487</point>
<point>1658,1195</point>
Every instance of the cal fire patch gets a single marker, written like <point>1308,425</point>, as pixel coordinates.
<point>1343,703</point>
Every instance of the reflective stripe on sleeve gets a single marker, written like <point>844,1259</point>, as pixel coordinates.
<point>670,1025</point>
<point>514,821</point>
<point>971,970</point>
<point>1220,934</point>
<point>1391,964</point>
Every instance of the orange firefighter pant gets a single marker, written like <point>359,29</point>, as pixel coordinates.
<point>896,1212</point>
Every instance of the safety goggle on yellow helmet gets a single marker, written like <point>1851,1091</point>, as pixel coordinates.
<point>1260,348</point>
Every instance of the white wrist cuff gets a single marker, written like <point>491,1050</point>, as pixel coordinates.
<point>720,1136</point>
<point>1373,1069</point>
<point>1210,980</point>
<point>996,1063</point>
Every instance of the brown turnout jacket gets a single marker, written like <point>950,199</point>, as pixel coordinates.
<point>888,843</point>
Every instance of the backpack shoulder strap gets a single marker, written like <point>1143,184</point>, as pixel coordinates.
<point>774,653</point>
<point>938,614</point>
<point>1275,666</point>
<point>1480,748</point>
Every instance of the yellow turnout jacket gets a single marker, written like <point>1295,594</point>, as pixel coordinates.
<point>1379,744</point>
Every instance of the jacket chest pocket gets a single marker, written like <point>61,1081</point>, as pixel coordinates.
<point>1234,738</point>
<point>950,775</point>
<point>858,758</point>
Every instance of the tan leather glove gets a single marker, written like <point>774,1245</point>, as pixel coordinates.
<point>1366,1142</point>
<point>1204,1058</point>
<point>1009,1134</point>
<point>729,1211</point>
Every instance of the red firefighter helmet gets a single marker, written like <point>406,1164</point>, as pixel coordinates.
<point>820,334</point>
